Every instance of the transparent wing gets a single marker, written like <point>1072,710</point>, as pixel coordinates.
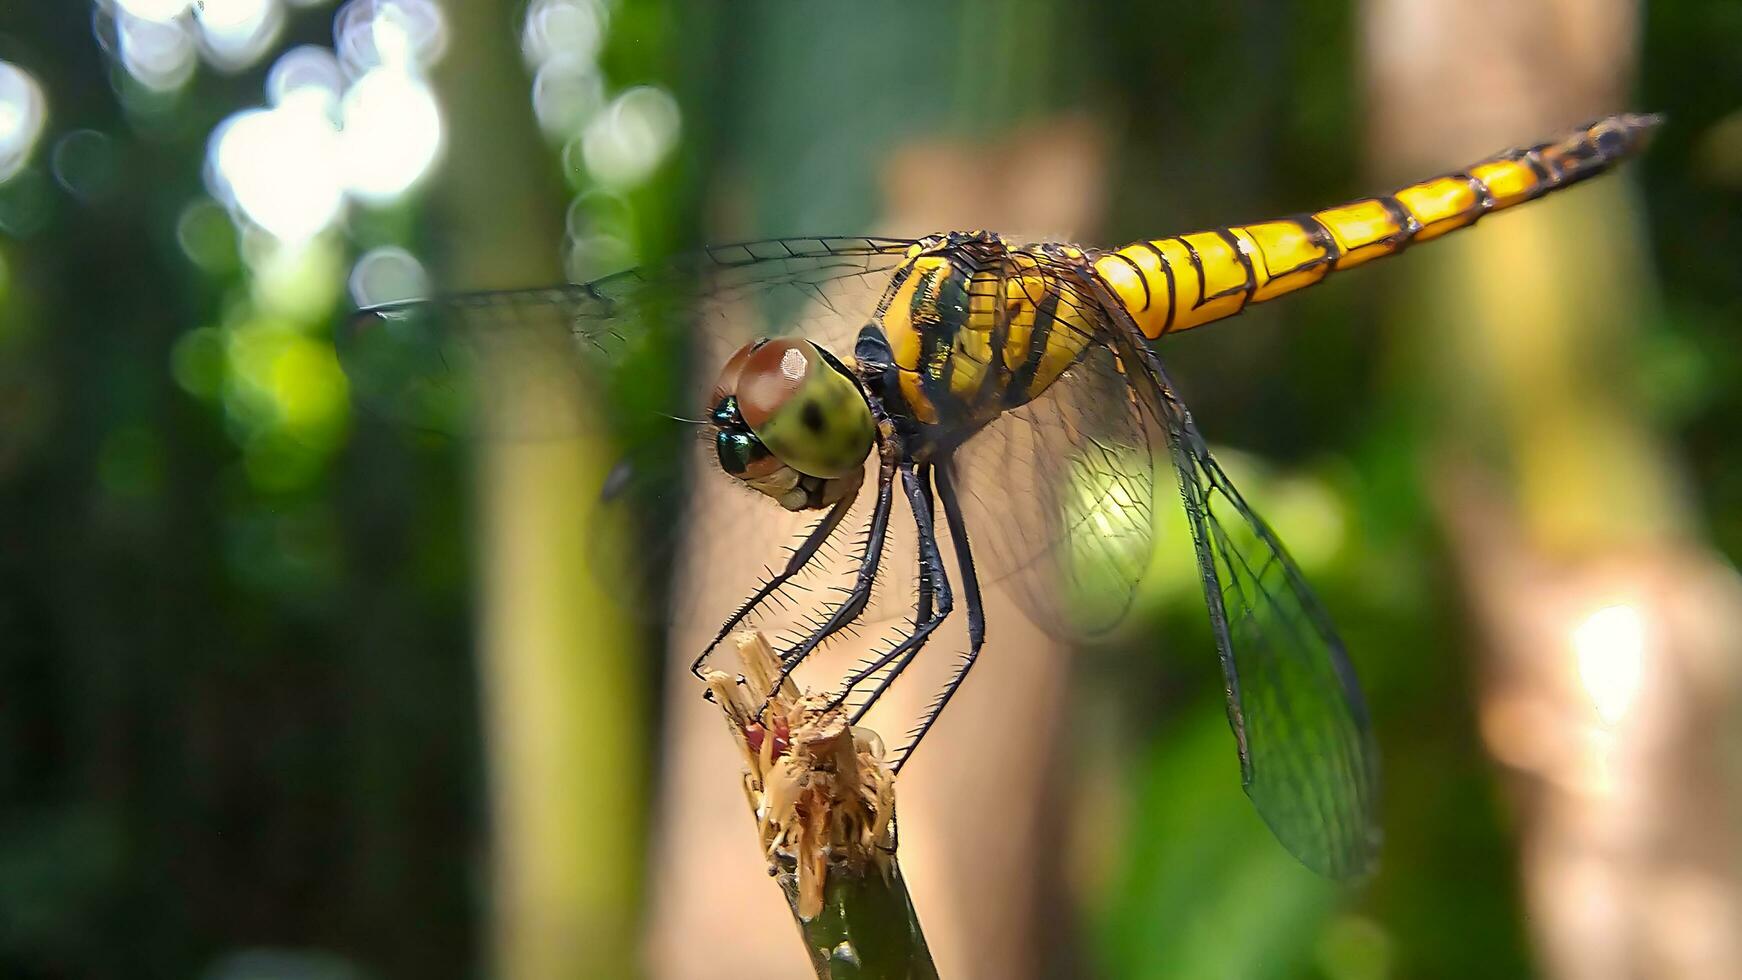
<point>429,362</point>
<point>1307,756</point>
<point>1058,499</point>
<point>1062,494</point>
<point>629,360</point>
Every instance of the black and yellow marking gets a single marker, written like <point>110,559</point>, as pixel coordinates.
<point>977,326</point>
<point>1182,282</point>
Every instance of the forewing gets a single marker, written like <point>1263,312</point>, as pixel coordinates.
<point>426,362</point>
<point>1307,756</point>
<point>628,360</point>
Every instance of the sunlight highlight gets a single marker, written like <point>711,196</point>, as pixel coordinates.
<point>23,111</point>
<point>357,124</point>
<point>404,35</point>
<point>237,33</point>
<point>161,11</point>
<point>308,67</point>
<point>279,167</point>
<point>392,134</point>
<point>158,53</point>
<point>1610,646</point>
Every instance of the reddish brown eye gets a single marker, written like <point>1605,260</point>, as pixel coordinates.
<point>769,377</point>
<point>790,407</point>
<point>727,384</point>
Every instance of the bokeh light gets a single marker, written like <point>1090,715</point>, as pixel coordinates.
<point>356,123</point>
<point>567,92</point>
<point>392,134</point>
<point>291,168</point>
<point>304,69</point>
<point>207,237</point>
<point>631,137</point>
<point>159,53</point>
<point>610,144</point>
<point>88,164</point>
<point>160,11</point>
<point>197,362</point>
<point>297,282</point>
<point>290,380</point>
<point>270,366</point>
<point>400,34</point>
<point>597,231</point>
<point>23,111</point>
<point>279,167</point>
<point>563,30</point>
<point>236,33</point>
<point>385,275</point>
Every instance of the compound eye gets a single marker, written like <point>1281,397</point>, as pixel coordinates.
<point>771,376</point>
<point>726,384</point>
<point>804,409</point>
<point>743,456</point>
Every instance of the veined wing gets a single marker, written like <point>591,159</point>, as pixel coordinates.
<point>1058,499</point>
<point>419,360</point>
<point>628,358</point>
<point>1062,487</point>
<point>1307,756</point>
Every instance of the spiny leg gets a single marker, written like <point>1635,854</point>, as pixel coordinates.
<point>931,570</point>
<point>922,612</point>
<point>800,557</point>
<point>854,605</point>
<point>970,595</point>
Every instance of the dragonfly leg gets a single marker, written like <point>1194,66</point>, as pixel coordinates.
<point>801,556</point>
<point>927,589</point>
<point>854,605</point>
<point>923,612</point>
<point>970,597</point>
<point>926,620</point>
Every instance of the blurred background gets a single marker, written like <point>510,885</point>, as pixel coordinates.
<point>289,691</point>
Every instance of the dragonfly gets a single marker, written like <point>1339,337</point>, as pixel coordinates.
<point>1017,390</point>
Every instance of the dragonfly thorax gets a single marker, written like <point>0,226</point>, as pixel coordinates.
<point>791,423</point>
<point>977,325</point>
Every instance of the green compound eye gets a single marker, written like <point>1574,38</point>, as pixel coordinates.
<point>738,452</point>
<point>803,409</point>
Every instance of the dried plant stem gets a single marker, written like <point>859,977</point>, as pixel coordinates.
<point>824,802</point>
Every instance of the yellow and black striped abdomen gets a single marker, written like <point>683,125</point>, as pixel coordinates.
<point>1177,283</point>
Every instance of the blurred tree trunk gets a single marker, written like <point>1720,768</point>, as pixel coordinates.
<point>1609,635</point>
<point>562,698</point>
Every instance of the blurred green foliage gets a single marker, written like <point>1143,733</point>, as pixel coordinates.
<point>237,699</point>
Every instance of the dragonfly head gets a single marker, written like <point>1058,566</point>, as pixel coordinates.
<point>791,422</point>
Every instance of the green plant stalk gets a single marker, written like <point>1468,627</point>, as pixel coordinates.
<point>824,804</point>
<point>867,930</point>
